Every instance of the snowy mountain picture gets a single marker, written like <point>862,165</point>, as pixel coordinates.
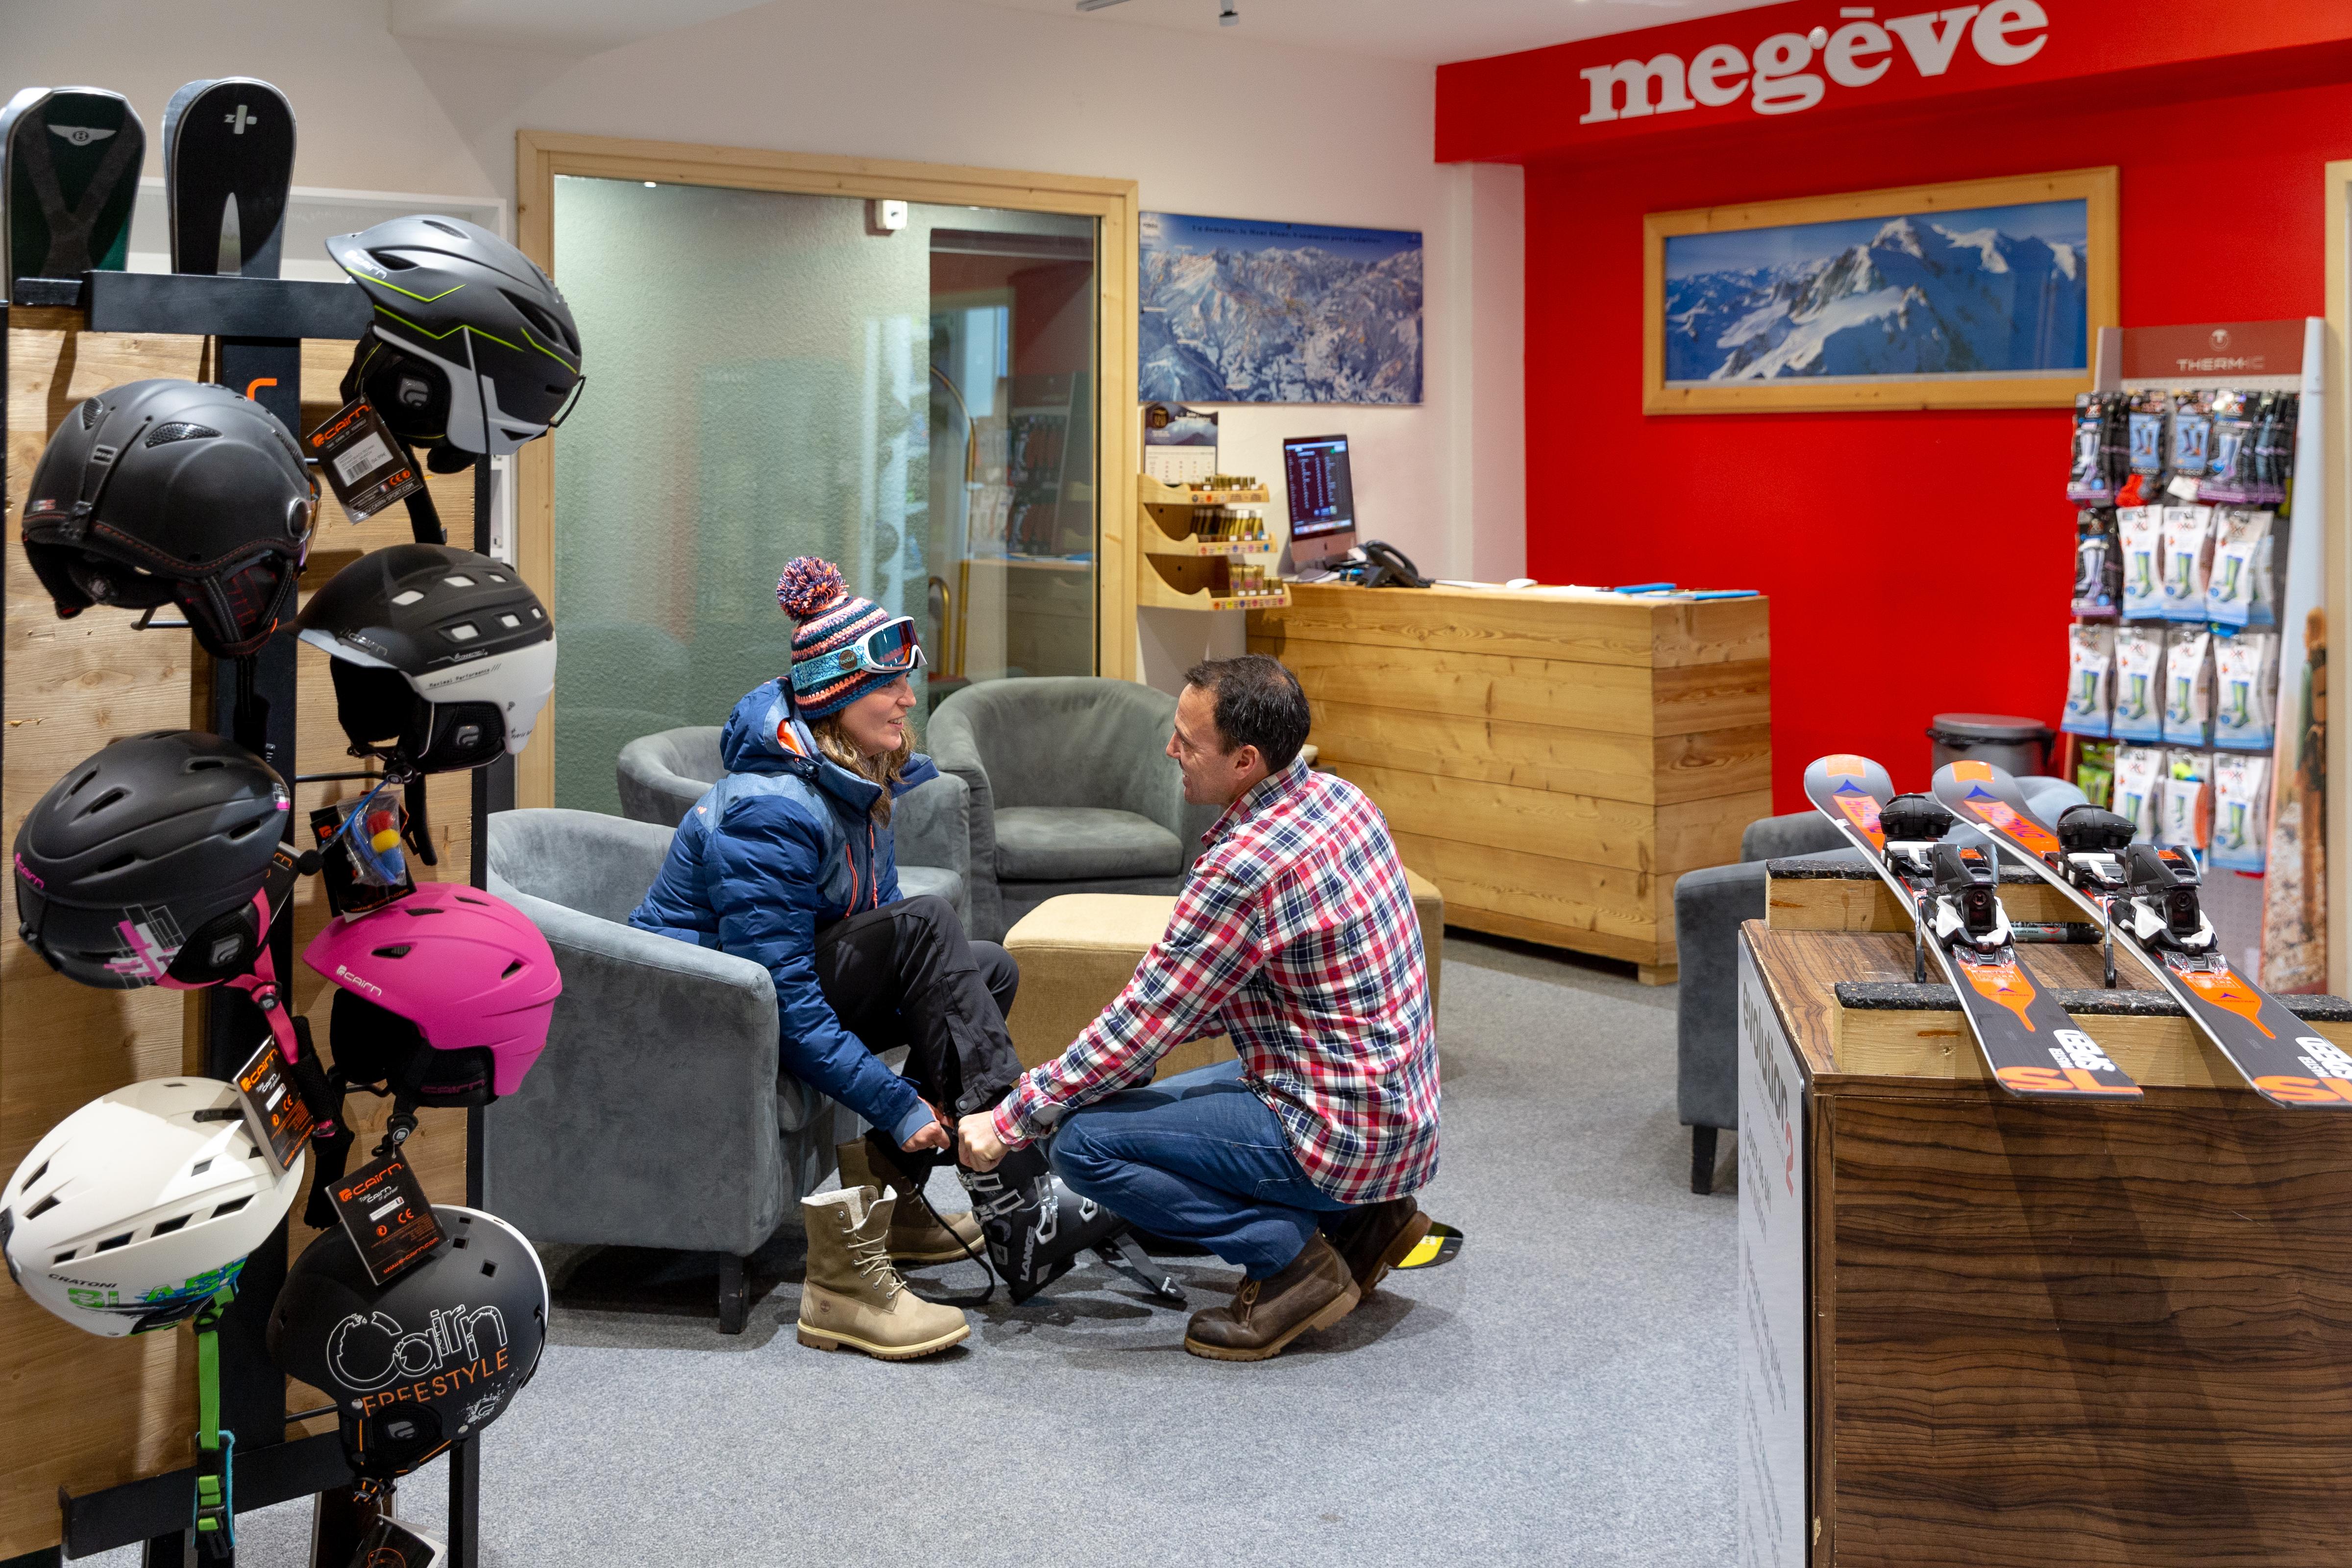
<point>1983,292</point>
<point>1236,310</point>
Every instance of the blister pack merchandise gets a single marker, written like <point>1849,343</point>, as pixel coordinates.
<point>2186,560</point>
<point>2091,679</point>
<point>2102,447</point>
<point>2137,710</point>
<point>2183,807</point>
<point>2098,563</point>
<point>2138,770</point>
<point>2139,533</point>
<point>2240,835</point>
<point>2188,684</point>
<point>2238,591</point>
<point>2245,689</point>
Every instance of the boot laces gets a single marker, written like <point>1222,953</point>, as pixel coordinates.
<point>872,1257</point>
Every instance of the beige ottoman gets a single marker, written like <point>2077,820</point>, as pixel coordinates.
<point>1078,952</point>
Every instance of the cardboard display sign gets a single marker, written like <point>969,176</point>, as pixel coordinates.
<point>365,465</point>
<point>279,1118</point>
<point>384,1213</point>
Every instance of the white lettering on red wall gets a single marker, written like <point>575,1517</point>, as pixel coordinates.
<point>1789,72</point>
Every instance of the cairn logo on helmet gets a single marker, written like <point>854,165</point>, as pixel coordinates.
<point>370,1350</point>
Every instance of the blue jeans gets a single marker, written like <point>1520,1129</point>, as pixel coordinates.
<point>1201,1158</point>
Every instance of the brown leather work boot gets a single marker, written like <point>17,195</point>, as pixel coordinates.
<point>1375,1238</point>
<point>1312,1291</point>
<point>915,1235</point>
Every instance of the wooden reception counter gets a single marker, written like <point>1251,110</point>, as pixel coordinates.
<point>1977,1330</point>
<point>1551,759</point>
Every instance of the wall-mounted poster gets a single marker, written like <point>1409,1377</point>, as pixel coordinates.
<point>1239,310</point>
<point>1980,294</point>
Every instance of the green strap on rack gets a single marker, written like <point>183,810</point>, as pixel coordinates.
<point>216,1503</point>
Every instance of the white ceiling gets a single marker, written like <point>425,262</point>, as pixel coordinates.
<point>1428,32</point>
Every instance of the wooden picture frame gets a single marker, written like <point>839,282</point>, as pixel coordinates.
<point>2096,188</point>
<point>541,155</point>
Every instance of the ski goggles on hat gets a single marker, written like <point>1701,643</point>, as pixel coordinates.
<point>887,650</point>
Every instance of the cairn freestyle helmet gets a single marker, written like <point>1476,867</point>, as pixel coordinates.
<point>137,1208</point>
<point>430,1357</point>
<point>156,859</point>
<point>443,657</point>
<point>471,352</point>
<point>444,995</point>
<point>162,492</point>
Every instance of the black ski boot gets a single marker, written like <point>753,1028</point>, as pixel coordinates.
<point>1037,1229</point>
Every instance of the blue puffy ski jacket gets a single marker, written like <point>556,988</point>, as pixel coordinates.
<point>782,846</point>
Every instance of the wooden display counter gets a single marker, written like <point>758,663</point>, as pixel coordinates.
<point>1551,759</point>
<point>1984,1330</point>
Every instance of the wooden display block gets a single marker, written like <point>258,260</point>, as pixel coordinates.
<point>1554,761</point>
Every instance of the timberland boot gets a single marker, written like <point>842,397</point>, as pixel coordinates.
<point>1312,1291</point>
<point>917,1235</point>
<point>852,1295</point>
<point>1376,1238</point>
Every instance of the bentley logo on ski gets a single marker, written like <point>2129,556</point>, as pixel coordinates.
<point>80,135</point>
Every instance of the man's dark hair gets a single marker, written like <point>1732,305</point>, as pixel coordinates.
<point>1258,704</point>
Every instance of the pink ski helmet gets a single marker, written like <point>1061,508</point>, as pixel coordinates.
<point>444,995</point>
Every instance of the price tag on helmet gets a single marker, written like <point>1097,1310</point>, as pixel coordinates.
<point>365,464</point>
<point>275,1113</point>
<point>384,1213</point>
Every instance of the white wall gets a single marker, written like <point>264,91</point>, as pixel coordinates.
<point>1217,123</point>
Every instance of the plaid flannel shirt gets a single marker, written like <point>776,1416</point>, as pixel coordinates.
<point>1295,934</point>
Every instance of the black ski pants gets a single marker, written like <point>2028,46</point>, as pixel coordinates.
<point>905,974</point>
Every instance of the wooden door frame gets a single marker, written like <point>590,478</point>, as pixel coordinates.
<point>2336,579</point>
<point>540,155</point>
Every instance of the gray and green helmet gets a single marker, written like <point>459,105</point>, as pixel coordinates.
<point>471,352</point>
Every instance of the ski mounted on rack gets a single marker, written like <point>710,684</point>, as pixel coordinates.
<point>2032,1045</point>
<point>2147,894</point>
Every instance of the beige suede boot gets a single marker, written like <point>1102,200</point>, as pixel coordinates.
<point>852,1295</point>
<point>915,1237</point>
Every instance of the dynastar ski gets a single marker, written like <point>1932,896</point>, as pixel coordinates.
<point>2032,1045</point>
<point>2148,895</point>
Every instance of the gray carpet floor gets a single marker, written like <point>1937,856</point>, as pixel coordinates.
<point>1562,1391</point>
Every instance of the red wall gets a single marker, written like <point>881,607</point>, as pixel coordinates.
<point>1917,563</point>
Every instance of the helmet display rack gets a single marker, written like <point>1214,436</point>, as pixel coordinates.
<point>255,327</point>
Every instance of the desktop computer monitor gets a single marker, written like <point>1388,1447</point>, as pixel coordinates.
<point>1322,499</point>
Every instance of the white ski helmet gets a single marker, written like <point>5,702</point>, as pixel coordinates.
<point>140,1206</point>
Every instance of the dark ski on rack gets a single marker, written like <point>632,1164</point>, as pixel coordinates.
<point>228,156</point>
<point>69,160</point>
<point>2033,1046</point>
<point>2147,895</point>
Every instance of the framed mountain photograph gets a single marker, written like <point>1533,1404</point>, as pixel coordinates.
<point>1979,294</point>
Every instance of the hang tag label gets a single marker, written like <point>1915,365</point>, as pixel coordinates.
<point>364,463</point>
<point>275,1111</point>
<point>384,1213</point>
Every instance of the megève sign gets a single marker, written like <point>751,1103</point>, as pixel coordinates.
<point>1790,72</point>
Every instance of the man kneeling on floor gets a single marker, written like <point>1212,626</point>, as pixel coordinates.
<point>1295,934</point>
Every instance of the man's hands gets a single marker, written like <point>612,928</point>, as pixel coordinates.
<point>983,1150</point>
<point>934,1135</point>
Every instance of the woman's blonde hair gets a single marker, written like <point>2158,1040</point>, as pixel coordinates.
<point>835,743</point>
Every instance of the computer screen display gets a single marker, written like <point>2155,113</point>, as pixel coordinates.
<point>1321,493</point>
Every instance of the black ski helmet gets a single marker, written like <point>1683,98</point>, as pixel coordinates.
<point>443,657</point>
<point>143,862</point>
<point>158,492</point>
<point>432,1356</point>
<point>472,351</point>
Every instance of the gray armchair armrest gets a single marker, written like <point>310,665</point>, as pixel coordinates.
<point>956,751</point>
<point>1784,838</point>
<point>932,824</point>
<point>1709,905</point>
<point>659,1079</point>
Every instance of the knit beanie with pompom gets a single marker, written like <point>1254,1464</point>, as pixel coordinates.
<point>831,618</point>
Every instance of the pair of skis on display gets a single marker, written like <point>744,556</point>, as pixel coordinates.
<point>2145,897</point>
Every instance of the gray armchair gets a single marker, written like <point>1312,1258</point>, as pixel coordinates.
<point>1709,906</point>
<point>661,775</point>
<point>1072,791</point>
<point>656,1116</point>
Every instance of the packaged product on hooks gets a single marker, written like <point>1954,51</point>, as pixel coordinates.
<point>2192,439</point>
<point>2138,707</point>
<point>2241,802</point>
<point>2091,679</point>
<point>2094,772</point>
<point>2188,684</point>
<point>2138,771</point>
<point>2184,811</point>
<point>2253,447</point>
<point>2098,563</point>
<point>2145,420</point>
<point>2139,533</point>
<point>2102,446</point>
<point>2186,561</point>
<point>2245,689</point>
<point>2236,594</point>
